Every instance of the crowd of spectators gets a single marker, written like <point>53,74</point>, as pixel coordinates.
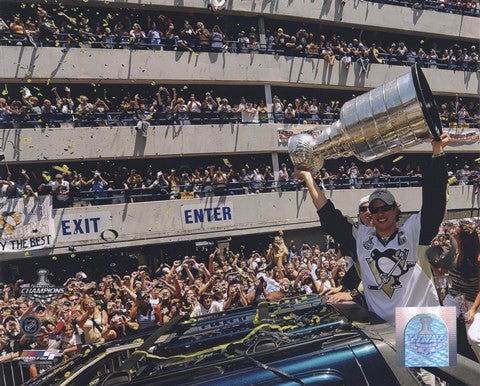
<point>76,27</point>
<point>110,182</point>
<point>95,310</point>
<point>462,7</point>
<point>163,106</point>
<point>121,305</point>
<point>55,106</point>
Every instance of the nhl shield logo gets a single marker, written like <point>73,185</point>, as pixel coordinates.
<point>30,325</point>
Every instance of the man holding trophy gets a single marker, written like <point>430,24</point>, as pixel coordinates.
<point>391,259</point>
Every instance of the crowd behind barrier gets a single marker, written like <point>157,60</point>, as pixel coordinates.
<point>118,305</point>
<point>108,182</point>
<point>460,7</point>
<point>48,106</point>
<point>60,28</point>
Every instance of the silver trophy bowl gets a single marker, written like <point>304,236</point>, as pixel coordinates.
<point>397,115</point>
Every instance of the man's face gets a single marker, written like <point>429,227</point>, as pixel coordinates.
<point>289,268</point>
<point>277,241</point>
<point>384,218</point>
<point>43,340</point>
<point>68,332</point>
<point>154,293</point>
<point>23,308</point>
<point>364,215</point>
<point>165,294</point>
<point>66,306</point>
<point>3,338</point>
<point>207,301</point>
<point>12,327</point>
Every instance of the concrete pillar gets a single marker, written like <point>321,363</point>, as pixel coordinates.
<point>261,32</point>
<point>268,101</point>
<point>275,165</point>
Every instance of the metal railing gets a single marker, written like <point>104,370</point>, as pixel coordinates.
<point>230,46</point>
<point>130,118</point>
<point>196,190</point>
<point>14,372</point>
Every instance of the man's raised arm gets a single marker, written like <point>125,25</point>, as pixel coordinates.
<point>332,220</point>
<point>318,198</point>
<point>434,191</point>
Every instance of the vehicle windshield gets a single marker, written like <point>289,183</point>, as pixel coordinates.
<point>211,340</point>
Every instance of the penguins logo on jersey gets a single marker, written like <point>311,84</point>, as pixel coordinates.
<point>387,267</point>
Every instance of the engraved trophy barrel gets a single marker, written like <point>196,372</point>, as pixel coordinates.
<point>397,115</point>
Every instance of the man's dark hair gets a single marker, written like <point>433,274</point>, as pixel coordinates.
<point>399,212</point>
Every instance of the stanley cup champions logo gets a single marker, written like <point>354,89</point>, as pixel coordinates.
<point>42,290</point>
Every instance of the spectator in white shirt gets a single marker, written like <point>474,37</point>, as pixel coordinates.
<point>207,305</point>
<point>193,105</point>
<point>61,191</point>
<point>353,173</point>
<point>289,113</point>
<point>464,173</point>
<point>224,106</point>
<point>277,109</point>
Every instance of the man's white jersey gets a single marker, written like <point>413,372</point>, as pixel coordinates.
<point>394,275</point>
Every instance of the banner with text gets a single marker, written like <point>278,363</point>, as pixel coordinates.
<point>26,225</point>
<point>463,135</point>
<point>201,216</point>
<point>284,135</point>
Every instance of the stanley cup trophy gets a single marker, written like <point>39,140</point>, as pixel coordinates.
<point>386,120</point>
